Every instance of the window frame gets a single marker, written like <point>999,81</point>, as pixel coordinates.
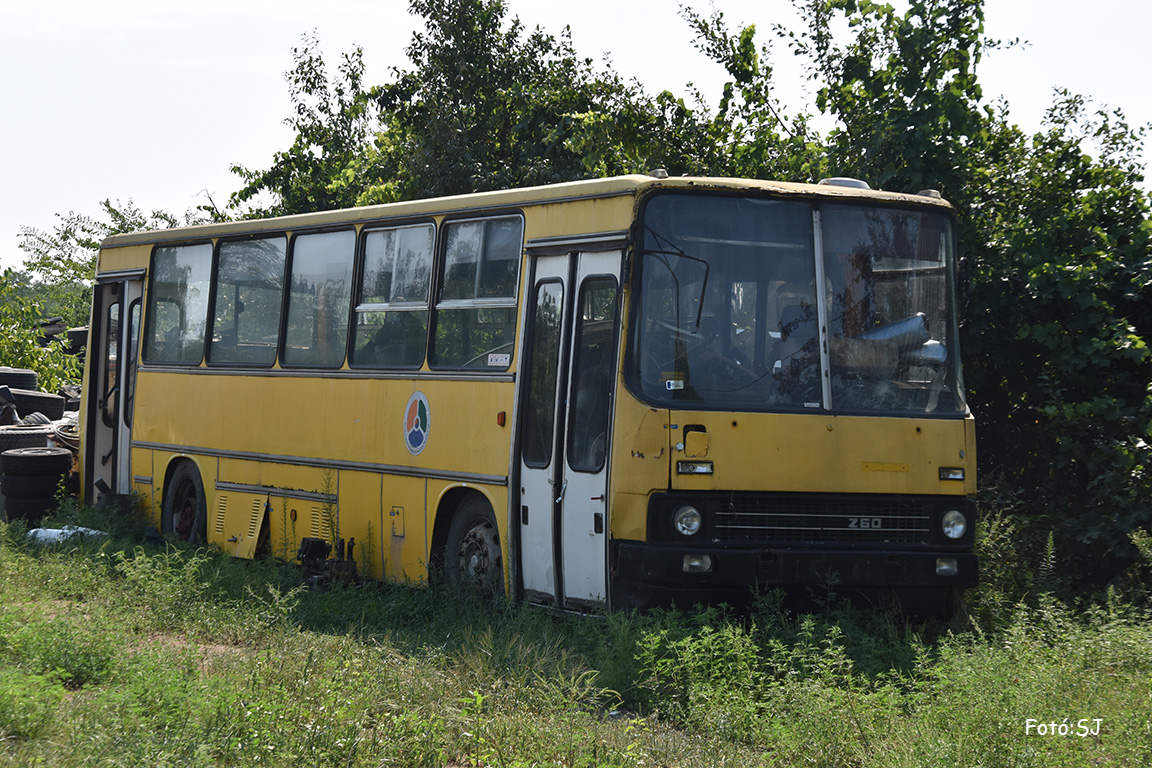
<point>439,305</point>
<point>286,297</point>
<point>360,307</point>
<point>151,310</point>
<point>210,327</point>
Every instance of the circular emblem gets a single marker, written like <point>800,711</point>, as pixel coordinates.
<point>416,423</point>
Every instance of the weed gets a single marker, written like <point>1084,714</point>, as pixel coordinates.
<point>28,702</point>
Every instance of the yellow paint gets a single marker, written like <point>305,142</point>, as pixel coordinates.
<point>116,259</point>
<point>883,466</point>
<point>799,453</point>
<point>641,451</point>
<point>696,445</point>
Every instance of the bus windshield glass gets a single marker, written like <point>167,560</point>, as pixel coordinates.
<point>762,304</point>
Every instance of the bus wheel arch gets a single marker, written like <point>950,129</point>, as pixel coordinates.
<point>467,544</point>
<point>184,511</point>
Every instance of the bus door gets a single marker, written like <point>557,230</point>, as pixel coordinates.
<point>115,340</point>
<point>567,396</point>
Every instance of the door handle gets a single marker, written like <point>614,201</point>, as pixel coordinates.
<point>563,488</point>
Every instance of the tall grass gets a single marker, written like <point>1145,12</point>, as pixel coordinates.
<point>135,651</point>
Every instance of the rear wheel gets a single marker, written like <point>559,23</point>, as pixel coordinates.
<point>473,561</point>
<point>185,511</point>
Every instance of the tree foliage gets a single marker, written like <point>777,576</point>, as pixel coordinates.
<point>62,263</point>
<point>329,162</point>
<point>19,337</point>
<point>1056,331</point>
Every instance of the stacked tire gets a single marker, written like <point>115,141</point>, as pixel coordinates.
<point>24,436</point>
<point>23,386</point>
<point>19,378</point>
<point>29,478</point>
<point>47,403</point>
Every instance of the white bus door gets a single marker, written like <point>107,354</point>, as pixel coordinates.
<point>566,405</point>
<point>115,338</point>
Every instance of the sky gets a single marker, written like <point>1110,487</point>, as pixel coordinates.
<point>154,100</point>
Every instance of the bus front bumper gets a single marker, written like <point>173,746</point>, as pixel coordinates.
<point>645,575</point>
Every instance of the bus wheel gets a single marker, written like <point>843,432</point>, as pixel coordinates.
<point>473,561</point>
<point>185,508</point>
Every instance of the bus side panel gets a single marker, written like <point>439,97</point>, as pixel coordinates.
<point>403,534</point>
<point>143,477</point>
<point>361,520</point>
<point>360,420</point>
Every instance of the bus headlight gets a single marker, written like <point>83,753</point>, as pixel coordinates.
<point>687,520</point>
<point>953,524</point>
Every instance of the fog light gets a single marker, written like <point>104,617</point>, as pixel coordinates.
<point>953,524</point>
<point>947,566</point>
<point>687,521</point>
<point>701,563</point>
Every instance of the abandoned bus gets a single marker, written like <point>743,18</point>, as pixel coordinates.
<point>598,394</point>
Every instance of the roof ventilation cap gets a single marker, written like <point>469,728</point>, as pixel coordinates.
<point>845,181</point>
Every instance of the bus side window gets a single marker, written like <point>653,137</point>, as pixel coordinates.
<point>476,311</point>
<point>249,288</point>
<point>178,304</point>
<point>319,294</point>
<point>392,304</point>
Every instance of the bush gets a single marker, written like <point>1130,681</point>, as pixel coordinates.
<point>19,331</point>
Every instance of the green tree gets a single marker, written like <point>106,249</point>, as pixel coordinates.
<point>902,88</point>
<point>330,163</point>
<point>20,332</point>
<point>62,263</point>
<point>486,104</point>
<point>1056,332</point>
<point>751,134</point>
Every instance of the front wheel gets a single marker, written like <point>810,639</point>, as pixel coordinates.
<point>473,561</point>
<point>185,511</point>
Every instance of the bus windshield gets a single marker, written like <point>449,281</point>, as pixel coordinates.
<point>762,304</point>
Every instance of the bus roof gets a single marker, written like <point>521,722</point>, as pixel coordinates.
<point>519,197</point>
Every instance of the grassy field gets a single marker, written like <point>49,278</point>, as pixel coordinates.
<point>131,652</point>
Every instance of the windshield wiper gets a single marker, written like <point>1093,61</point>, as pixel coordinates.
<point>672,250</point>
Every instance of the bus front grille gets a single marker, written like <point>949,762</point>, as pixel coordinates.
<point>798,521</point>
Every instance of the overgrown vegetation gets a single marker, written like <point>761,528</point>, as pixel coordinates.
<point>131,651</point>
<point>20,347</point>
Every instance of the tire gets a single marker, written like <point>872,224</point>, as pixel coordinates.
<point>23,436</point>
<point>185,512</point>
<point>28,509</point>
<point>77,339</point>
<point>29,486</point>
<point>19,378</point>
<point>28,401</point>
<point>473,560</point>
<point>36,461</point>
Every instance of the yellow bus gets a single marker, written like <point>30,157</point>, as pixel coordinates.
<point>600,394</point>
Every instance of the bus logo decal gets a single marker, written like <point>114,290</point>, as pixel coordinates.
<point>416,423</point>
